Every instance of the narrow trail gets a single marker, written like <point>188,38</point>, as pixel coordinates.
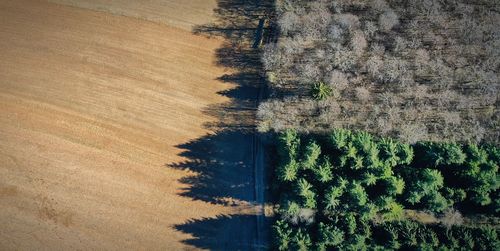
<point>241,23</point>
<point>259,166</point>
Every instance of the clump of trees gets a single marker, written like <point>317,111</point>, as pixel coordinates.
<point>349,190</point>
<point>412,70</point>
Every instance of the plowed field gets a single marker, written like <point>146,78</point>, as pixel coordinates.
<point>93,107</point>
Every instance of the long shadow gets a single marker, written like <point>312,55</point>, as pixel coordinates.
<point>223,165</point>
<point>223,161</point>
<point>208,232</point>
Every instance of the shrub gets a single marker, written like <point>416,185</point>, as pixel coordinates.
<point>436,154</point>
<point>301,240</point>
<point>347,21</point>
<point>321,91</point>
<point>424,188</point>
<point>358,42</point>
<point>289,22</point>
<point>282,234</point>
<point>435,202</point>
<point>451,217</point>
<point>362,94</point>
<point>333,193</point>
<point>289,171</point>
<point>307,194</point>
<point>290,211</point>
<point>338,79</point>
<point>323,171</point>
<point>329,236</point>
<point>388,20</point>
<point>394,212</point>
<point>356,196</point>
<point>311,155</point>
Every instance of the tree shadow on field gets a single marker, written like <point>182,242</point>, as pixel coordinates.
<point>208,232</point>
<point>223,161</point>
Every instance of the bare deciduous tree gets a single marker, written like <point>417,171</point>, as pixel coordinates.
<point>434,75</point>
<point>388,20</point>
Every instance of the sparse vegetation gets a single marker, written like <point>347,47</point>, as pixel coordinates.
<point>412,70</point>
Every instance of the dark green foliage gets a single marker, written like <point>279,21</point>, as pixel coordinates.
<point>469,238</point>
<point>479,174</point>
<point>335,187</point>
<point>389,236</point>
<point>389,152</point>
<point>282,235</point>
<point>306,193</point>
<point>301,240</point>
<point>290,210</point>
<point>332,195</point>
<point>321,91</point>
<point>288,144</point>
<point>348,223</point>
<point>311,155</point>
<point>288,171</point>
<point>426,181</point>
<point>329,236</point>
<point>356,242</point>
<point>454,194</point>
<point>288,147</point>
<point>495,205</point>
<point>392,185</point>
<point>475,155</point>
<point>407,234</point>
<point>355,197</point>
<point>486,238</point>
<point>493,153</point>
<point>339,138</point>
<point>436,154</point>
<point>324,171</point>
<point>435,202</point>
<point>405,154</point>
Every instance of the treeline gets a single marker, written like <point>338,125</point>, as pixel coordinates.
<point>413,70</point>
<point>350,190</point>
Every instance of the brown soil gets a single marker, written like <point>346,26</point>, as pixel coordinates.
<point>92,109</point>
<point>183,14</point>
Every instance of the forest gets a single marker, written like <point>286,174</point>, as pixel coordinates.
<point>350,190</point>
<point>384,116</point>
<point>424,70</point>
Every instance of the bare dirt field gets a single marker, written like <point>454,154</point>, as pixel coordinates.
<point>103,136</point>
<point>179,13</point>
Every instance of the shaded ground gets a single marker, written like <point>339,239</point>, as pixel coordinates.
<point>225,161</point>
<point>214,233</point>
<point>224,165</point>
